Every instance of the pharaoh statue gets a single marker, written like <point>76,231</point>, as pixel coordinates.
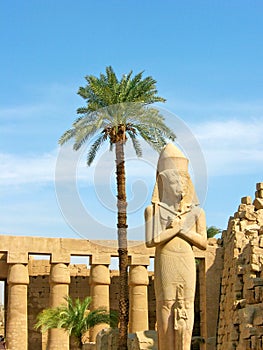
<point>174,224</point>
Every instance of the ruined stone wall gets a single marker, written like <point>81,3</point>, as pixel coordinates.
<point>241,304</point>
<point>39,292</point>
<point>32,285</point>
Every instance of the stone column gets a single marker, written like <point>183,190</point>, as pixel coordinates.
<point>138,282</point>
<point>17,324</point>
<point>59,281</point>
<point>99,282</point>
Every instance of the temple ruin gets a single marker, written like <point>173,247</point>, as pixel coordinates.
<point>229,290</point>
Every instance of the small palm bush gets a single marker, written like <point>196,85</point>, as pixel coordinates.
<point>75,318</point>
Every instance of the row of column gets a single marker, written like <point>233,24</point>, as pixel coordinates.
<point>18,280</point>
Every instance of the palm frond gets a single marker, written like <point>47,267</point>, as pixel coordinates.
<point>135,143</point>
<point>69,134</point>
<point>97,317</point>
<point>94,149</point>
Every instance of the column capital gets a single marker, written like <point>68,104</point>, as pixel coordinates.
<point>18,274</point>
<point>138,275</point>
<point>100,274</point>
<point>59,273</point>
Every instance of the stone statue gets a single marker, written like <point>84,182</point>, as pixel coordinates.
<point>174,223</point>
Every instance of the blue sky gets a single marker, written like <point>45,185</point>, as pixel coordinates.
<point>207,59</point>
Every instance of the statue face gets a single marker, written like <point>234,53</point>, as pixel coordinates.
<point>173,186</point>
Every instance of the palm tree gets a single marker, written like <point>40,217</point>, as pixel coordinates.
<point>117,109</point>
<point>213,231</point>
<point>74,317</point>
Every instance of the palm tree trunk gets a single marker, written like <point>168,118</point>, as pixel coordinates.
<point>122,246</point>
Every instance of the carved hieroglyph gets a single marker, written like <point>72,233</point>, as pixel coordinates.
<point>174,223</point>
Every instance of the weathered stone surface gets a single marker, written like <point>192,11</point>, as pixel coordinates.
<point>145,340</point>
<point>18,281</point>
<point>102,339</point>
<point>77,279</point>
<point>258,316</point>
<point>243,291</point>
<point>246,200</point>
<point>172,222</point>
<point>254,282</point>
<point>258,203</point>
<point>89,346</point>
<point>259,194</point>
<point>259,186</point>
<point>138,282</point>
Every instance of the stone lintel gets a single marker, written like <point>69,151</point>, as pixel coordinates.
<point>139,260</point>
<point>60,257</point>
<point>17,257</point>
<point>100,259</point>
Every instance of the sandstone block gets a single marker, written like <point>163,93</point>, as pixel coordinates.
<point>254,282</point>
<point>255,267</point>
<point>254,259</point>
<point>247,212</point>
<point>260,242</point>
<point>246,316</point>
<point>258,316</point>
<point>248,331</point>
<point>246,200</point>
<point>259,194</point>
<point>259,186</point>
<point>241,346</point>
<point>259,293</point>
<point>234,335</point>
<point>89,346</point>
<point>252,227</point>
<point>145,340</point>
<point>240,270</point>
<point>243,224</point>
<point>242,207</point>
<point>238,286</point>
<point>258,203</point>
<point>259,213</point>
<point>237,215</point>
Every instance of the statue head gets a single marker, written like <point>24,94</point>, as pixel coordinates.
<point>173,183</point>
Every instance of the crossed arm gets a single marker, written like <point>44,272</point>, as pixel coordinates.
<point>191,227</point>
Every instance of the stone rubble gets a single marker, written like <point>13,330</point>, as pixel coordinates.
<point>241,304</point>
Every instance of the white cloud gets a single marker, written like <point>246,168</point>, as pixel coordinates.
<point>22,169</point>
<point>43,99</point>
<point>222,108</point>
<point>232,146</point>
<point>229,147</point>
